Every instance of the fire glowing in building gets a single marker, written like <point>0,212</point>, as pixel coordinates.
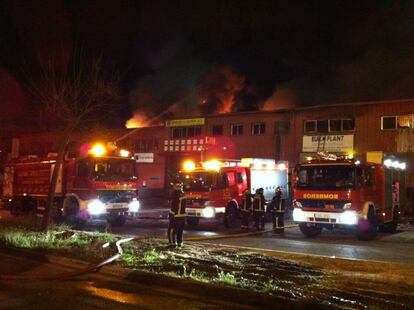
<point>137,121</point>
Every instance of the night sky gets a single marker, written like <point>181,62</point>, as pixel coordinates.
<point>192,57</point>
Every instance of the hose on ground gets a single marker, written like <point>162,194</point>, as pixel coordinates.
<point>71,274</point>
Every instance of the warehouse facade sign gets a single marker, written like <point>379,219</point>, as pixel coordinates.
<point>185,122</point>
<point>328,143</point>
<point>144,157</point>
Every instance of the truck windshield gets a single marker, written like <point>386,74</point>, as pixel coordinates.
<point>108,169</point>
<point>325,177</point>
<point>199,181</point>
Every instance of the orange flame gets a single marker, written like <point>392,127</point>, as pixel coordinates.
<point>139,120</point>
<point>218,89</point>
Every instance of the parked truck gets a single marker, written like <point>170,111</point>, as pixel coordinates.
<point>332,192</point>
<point>214,188</point>
<point>102,184</point>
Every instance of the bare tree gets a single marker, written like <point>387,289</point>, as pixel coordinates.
<point>69,98</point>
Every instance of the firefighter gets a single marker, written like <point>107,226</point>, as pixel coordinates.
<point>246,209</point>
<point>259,204</point>
<point>276,207</point>
<point>177,217</point>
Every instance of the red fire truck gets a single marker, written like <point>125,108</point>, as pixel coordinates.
<point>98,185</point>
<point>334,192</point>
<point>214,189</point>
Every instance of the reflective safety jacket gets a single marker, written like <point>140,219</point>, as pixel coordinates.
<point>246,205</point>
<point>178,204</point>
<point>259,203</point>
<point>276,205</point>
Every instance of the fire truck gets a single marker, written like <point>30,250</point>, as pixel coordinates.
<point>214,188</point>
<point>101,184</point>
<point>332,192</point>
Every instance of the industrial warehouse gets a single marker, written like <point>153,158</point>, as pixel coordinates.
<point>369,131</point>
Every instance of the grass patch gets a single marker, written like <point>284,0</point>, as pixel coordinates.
<point>23,233</point>
<point>150,256</point>
<point>227,278</point>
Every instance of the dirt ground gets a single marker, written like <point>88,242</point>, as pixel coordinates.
<point>306,279</point>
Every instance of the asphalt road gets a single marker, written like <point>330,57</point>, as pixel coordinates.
<point>397,247</point>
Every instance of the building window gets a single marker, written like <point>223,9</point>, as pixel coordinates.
<point>310,126</point>
<point>330,125</point>
<point>258,129</point>
<point>281,127</point>
<point>388,122</point>
<point>335,125</point>
<point>217,130</point>
<point>145,145</point>
<point>185,132</point>
<point>236,129</point>
<point>176,133</point>
<point>322,126</point>
<point>397,122</point>
<point>348,124</point>
<point>405,121</point>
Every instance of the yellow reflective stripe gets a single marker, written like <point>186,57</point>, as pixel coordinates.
<point>180,201</point>
<point>180,215</point>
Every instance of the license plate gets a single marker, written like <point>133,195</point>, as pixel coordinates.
<point>117,205</point>
<point>321,215</point>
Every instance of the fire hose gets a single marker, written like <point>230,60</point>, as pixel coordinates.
<point>97,267</point>
<point>71,274</point>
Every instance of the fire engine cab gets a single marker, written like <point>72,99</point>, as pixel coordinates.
<point>214,188</point>
<point>331,192</point>
<point>98,185</point>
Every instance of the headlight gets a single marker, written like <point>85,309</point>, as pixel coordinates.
<point>298,215</point>
<point>133,206</point>
<point>348,206</point>
<point>208,212</point>
<point>349,217</point>
<point>96,207</point>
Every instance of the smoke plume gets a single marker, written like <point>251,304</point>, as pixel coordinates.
<point>282,98</point>
<point>218,89</point>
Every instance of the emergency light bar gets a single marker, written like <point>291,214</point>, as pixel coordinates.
<point>189,165</point>
<point>257,163</point>
<point>389,163</point>
<point>99,150</point>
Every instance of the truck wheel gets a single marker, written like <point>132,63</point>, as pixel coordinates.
<point>231,215</point>
<point>309,229</point>
<point>30,207</point>
<point>391,227</point>
<point>16,207</point>
<point>368,228</point>
<point>117,221</point>
<point>71,213</point>
<point>192,221</point>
